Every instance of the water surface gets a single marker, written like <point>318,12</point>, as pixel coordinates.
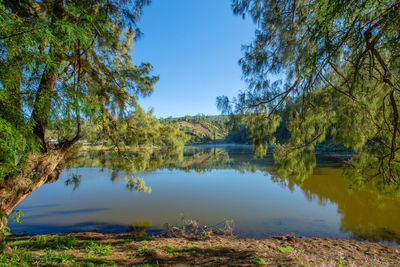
<point>208,184</point>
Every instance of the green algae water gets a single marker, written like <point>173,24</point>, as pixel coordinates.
<point>208,184</point>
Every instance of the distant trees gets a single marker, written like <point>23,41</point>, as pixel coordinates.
<point>201,128</point>
<point>333,67</point>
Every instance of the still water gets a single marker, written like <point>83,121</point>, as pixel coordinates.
<point>208,184</point>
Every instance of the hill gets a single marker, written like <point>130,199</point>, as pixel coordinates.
<point>202,129</point>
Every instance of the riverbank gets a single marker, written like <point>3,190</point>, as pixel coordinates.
<point>90,249</point>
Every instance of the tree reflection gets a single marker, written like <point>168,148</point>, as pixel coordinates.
<point>129,163</point>
<point>199,160</point>
<point>139,227</point>
<point>74,180</point>
<point>366,214</point>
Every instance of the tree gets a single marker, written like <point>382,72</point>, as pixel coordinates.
<point>62,64</point>
<point>334,67</point>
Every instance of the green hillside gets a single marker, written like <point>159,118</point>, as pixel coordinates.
<point>207,129</point>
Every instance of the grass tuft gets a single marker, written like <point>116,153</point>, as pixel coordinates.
<point>258,261</point>
<point>285,249</point>
<point>98,248</point>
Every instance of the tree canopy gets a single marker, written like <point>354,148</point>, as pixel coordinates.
<point>334,68</point>
<point>65,63</point>
<point>66,66</point>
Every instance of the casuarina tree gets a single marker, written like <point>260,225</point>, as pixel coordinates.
<point>63,64</point>
<point>333,68</point>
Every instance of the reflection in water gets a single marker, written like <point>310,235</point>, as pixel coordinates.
<point>74,180</point>
<point>129,162</point>
<point>297,163</point>
<point>139,227</point>
<point>192,158</point>
<point>213,183</point>
<point>365,214</point>
<point>147,159</point>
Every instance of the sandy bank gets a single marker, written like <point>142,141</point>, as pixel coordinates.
<point>128,250</point>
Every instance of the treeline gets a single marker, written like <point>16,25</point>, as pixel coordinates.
<point>220,129</point>
<point>203,129</point>
<point>142,129</point>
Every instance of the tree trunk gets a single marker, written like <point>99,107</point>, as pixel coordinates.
<point>41,108</point>
<point>3,223</point>
<point>38,170</point>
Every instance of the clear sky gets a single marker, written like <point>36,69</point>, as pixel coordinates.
<point>194,46</point>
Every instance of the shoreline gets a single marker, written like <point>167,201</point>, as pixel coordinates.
<point>84,248</point>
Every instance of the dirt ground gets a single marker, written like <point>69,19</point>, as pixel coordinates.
<point>129,250</point>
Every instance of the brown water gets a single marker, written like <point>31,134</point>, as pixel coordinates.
<point>209,184</point>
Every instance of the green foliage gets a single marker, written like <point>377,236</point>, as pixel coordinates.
<point>191,247</point>
<point>53,258</point>
<point>144,251</point>
<point>261,128</point>
<point>66,72</point>
<point>18,258</point>
<point>98,248</point>
<point>141,129</point>
<point>285,249</point>
<point>47,242</point>
<point>188,248</point>
<point>147,238</point>
<point>11,144</point>
<point>41,240</point>
<point>65,242</point>
<point>15,215</point>
<point>169,249</point>
<point>66,67</point>
<point>21,257</point>
<point>331,68</point>
<point>201,128</point>
<point>258,261</point>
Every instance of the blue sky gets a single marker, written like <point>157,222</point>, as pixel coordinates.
<point>194,46</point>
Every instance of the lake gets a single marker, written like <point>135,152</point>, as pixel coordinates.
<point>208,184</point>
